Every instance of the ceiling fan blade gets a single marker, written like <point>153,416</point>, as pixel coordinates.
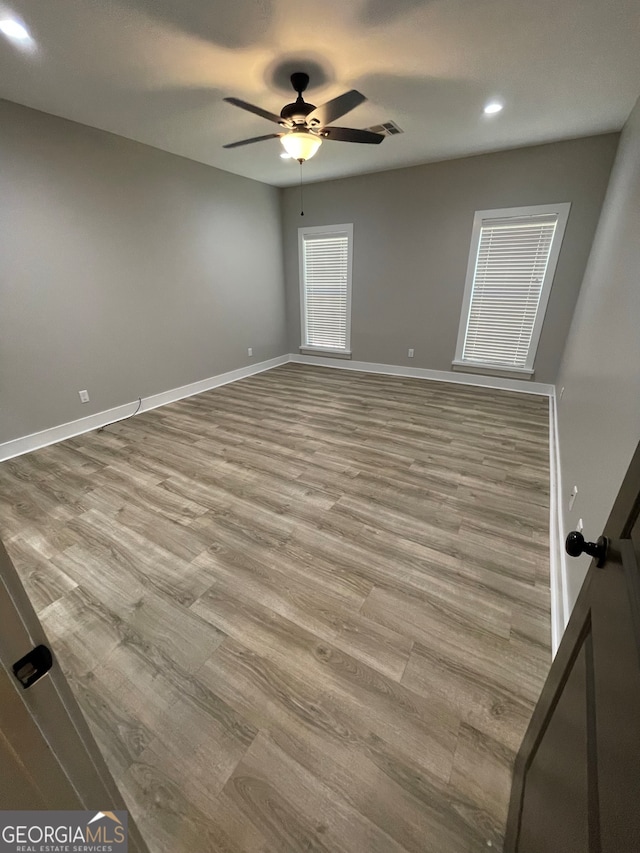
<point>351,134</point>
<point>254,139</point>
<point>250,108</point>
<point>336,108</point>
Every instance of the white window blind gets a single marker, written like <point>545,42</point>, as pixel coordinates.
<point>511,271</point>
<point>325,288</point>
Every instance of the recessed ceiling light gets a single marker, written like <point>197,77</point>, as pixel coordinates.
<point>492,108</point>
<point>14,30</point>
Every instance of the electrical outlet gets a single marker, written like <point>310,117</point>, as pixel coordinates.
<point>572,497</point>
<point>249,350</point>
<point>410,353</point>
<point>84,396</point>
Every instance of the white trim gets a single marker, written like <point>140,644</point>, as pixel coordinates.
<point>347,229</point>
<point>560,611</point>
<point>336,353</point>
<point>213,382</point>
<point>491,369</point>
<point>506,384</point>
<point>36,440</point>
<point>562,210</point>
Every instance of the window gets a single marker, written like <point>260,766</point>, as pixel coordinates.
<point>511,267</point>
<point>325,288</point>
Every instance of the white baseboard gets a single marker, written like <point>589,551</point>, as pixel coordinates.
<point>213,382</point>
<point>28,443</point>
<point>558,562</point>
<point>506,384</point>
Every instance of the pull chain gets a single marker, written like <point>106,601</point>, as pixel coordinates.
<point>301,200</point>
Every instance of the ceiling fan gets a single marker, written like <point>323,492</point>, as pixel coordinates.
<point>305,126</point>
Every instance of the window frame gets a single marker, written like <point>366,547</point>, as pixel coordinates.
<point>562,211</point>
<point>316,230</point>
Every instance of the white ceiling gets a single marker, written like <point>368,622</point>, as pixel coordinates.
<point>157,70</point>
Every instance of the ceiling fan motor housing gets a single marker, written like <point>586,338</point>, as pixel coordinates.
<point>297,112</point>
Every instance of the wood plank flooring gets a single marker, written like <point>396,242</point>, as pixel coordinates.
<point>308,611</point>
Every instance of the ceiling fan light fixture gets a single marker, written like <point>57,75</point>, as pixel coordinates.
<point>300,144</point>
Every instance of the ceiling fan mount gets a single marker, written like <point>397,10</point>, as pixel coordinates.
<point>305,125</point>
<point>300,82</point>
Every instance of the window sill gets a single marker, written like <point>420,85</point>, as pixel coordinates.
<point>492,370</point>
<point>330,353</point>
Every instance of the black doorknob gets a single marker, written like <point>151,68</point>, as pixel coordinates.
<point>576,545</point>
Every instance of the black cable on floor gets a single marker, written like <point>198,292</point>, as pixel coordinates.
<point>120,420</point>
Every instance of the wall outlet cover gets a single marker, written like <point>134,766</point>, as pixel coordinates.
<point>411,352</point>
<point>84,396</point>
<point>249,350</point>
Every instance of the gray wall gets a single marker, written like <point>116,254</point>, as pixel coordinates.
<point>124,270</point>
<point>599,413</point>
<point>412,229</point>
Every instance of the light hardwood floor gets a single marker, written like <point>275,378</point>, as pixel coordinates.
<point>308,611</point>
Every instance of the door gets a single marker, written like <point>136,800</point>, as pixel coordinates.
<point>48,756</point>
<point>576,785</point>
